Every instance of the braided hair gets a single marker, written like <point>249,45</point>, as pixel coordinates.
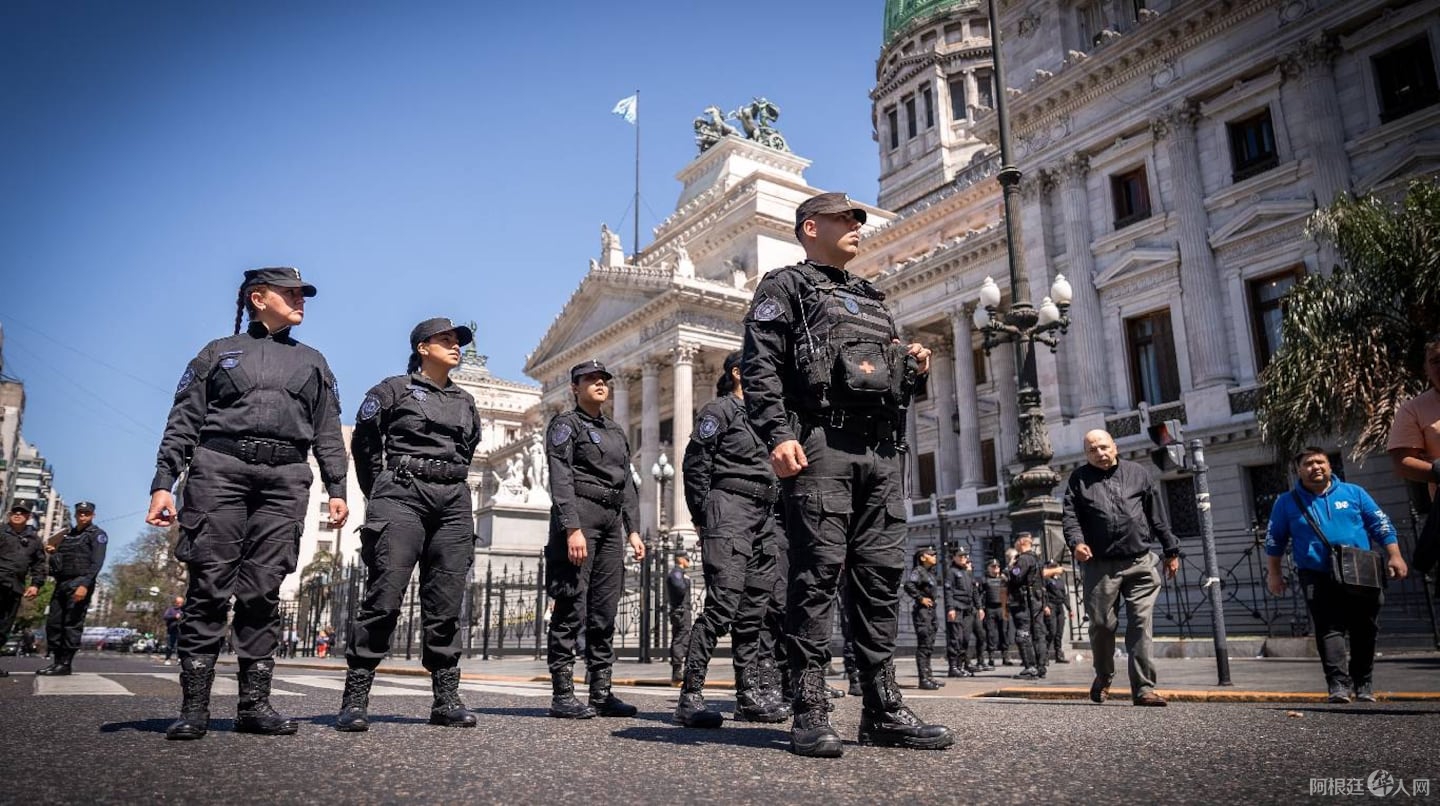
<point>414,365</point>
<point>725,384</point>
<point>243,305</point>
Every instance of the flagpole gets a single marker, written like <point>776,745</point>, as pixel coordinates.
<point>636,242</point>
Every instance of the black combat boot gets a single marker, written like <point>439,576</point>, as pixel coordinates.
<point>989,661</point>
<point>603,700</point>
<point>853,674</point>
<point>927,680</point>
<point>353,717</point>
<point>563,704</point>
<point>254,714</point>
<point>771,682</point>
<point>885,720</point>
<point>447,710</point>
<point>1060,655</point>
<point>691,711</point>
<point>59,665</point>
<point>677,673</point>
<point>752,701</point>
<point>197,673</point>
<point>956,670</point>
<point>810,732</point>
<point>1005,658</point>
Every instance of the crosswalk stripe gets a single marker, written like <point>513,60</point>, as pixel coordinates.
<point>338,684</point>
<point>77,685</point>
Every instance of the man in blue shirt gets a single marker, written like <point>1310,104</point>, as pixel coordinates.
<point>1348,516</point>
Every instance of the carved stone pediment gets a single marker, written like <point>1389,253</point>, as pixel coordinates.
<point>1413,161</point>
<point>598,303</point>
<point>1259,218</point>
<point>1138,266</point>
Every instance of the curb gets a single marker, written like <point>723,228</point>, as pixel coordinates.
<point>1191,695</point>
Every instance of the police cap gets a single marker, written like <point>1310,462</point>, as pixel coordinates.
<point>83,507</point>
<point>992,561</point>
<point>433,327</point>
<point>278,277</point>
<point>584,368</point>
<point>20,506</point>
<point>682,555</point>
<point>827,204</point>
<point>962,551</point>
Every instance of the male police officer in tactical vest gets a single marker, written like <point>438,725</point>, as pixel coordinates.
<point>825,379</point>
<point>75,564</point>
<point>22,566</point>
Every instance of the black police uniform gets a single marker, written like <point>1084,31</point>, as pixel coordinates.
<point>677,603</point>
<point>412,444</point>
<point>922,584</point>
<point>822,365</point>
<point>961,598</point>
<point>731,493</point>
<point>22,558</point>
<point>590,489</point>
<point>75,564</point>
<point>993,590</point>
<point>1056,623</point>
<point>1027,611</point>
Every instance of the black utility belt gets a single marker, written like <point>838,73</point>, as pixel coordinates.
<point>870,427</point>
<point>764,493</point>
<point>256,451</point>
<point>437,470</point>
<point>599,494</point>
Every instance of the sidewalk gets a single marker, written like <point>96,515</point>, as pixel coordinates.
<point>1398,677</point>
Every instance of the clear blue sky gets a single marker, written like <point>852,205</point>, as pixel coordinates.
<point>413,160</point>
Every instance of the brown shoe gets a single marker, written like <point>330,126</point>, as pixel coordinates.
<point>1150,700</point>
<point>1099,690</point>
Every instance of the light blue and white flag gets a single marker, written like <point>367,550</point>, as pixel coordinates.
<point>626,108</point>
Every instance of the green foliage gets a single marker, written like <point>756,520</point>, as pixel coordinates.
<point>151,564</point>
<point>32,611</point>
<point>1354,341</point>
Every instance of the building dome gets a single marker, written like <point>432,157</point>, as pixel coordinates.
<point>900,13</point>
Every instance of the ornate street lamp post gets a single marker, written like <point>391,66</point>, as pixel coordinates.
<point>1033,509</point>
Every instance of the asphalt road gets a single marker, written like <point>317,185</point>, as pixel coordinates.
<point>61,744</point>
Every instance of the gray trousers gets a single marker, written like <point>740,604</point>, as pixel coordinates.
<point>1136,582</point>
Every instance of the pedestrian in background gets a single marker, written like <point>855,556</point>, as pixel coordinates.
<point>248,410</point>
<point>677,603</point>
<point>594,513</point>
<point>75,563</point>
<point>22,568</point>
<point>1057,604</point>
<point>1319,515</point>
<point>922,586</point>
<point>992,614</point>
<point>961,600</point>
<point>415,436</point>
<point>172,617</point>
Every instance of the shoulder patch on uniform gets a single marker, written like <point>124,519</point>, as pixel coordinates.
<point>370,407</point>
<point>765,310</point>
<point>594,436</point>
<point>417,393</point>
<point>559,433</point>
<point>102,538</point>
<point>231,359</point>
<point>185,380</point>
<point>708,427</point>
<point>850,304</point>
<point>335,390</point>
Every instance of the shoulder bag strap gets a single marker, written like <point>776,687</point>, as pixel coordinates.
<point>1310,519</point>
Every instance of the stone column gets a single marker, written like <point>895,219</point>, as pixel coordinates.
<point>1201,295</point>
<point>1035,191</point>
<point>683,421</point>
<point>620,404</point>
<point>1311,62</point>
<point>967,404</point>
<point>947,447</point>
<point>1003,362</point>
<point>1086,334</point>
<point>649,442</point>
<point>972,93</point>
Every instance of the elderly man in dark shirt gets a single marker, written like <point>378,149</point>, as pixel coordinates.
<point>1112,520</point>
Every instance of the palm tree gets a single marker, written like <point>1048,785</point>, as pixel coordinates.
<point>1354,341</point>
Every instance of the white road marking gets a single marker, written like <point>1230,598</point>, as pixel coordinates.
<point>338,684</point>
<point>84,683</point>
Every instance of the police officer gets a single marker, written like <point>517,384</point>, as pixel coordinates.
<point>594,512</point>
<point>1026,583</point>
<point>414,437</point>
<point>923,587</point>
<point>825,380</point>
<point>677,601</point>
<point>75,563</point>
<point>731,491</point>
<point>247,411</point>
<point>960,605</point>
<point>22,567</point>
<point>1058,604</point>
<point>992,615</point>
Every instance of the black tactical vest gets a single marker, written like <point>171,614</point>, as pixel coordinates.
<point>72,557</point>
<point>846,351</point>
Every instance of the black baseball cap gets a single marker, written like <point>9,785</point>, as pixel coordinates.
<point>584,368</point>
<point>433,327</point>
<point>84,506</point>
<point>682,555</point>
<point>278,277</point>
<point>962,551</point>
<point>993,561</point>
<point>20,506</point>
<point>826,204</point>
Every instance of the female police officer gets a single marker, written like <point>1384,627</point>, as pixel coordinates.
<point>414,438</point>
<point>247,410</point>
<point>731,491</point>
<point>595,509</point>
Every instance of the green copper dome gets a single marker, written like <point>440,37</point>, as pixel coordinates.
<point>900,13</point>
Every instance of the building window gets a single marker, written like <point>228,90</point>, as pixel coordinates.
<point>1180,502</point>
<point>927,41</point>
<point>893,118</point>
<point>927,98</point>
<point>1154,375</point>
<point>322,545</point>
<point>1131,195</point>
<point>1405,76</point>
<point>958,109</point>
<point>989,466</point>
<point>1267,483</point>
<point>954,33</point>
<point>909,116</point>
<point>323,508</point>
<point>981,368</point>
<point>925,469</point>
<point>1089,22</point>
<point>1267,307</point>
<point>1252,145</point>
<point>985,89</point>
<point>510,434</point>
